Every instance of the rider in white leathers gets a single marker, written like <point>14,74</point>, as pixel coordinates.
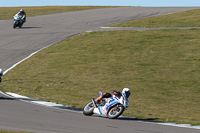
<point>23,13</point>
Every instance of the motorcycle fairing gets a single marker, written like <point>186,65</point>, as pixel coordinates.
<point>126,101</point>
<point>103,110</point>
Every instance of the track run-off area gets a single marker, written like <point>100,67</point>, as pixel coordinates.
<point>43,31</point>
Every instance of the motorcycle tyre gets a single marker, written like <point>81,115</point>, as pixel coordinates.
<point>115,116</point>
<point>20,26</point>
<point>14,25</point>
<point>88,112</point>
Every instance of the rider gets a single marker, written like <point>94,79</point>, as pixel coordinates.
<point>1,74</point>
<point>125,91</point>
<point>23,13</point>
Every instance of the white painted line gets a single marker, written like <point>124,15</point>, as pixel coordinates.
<point>180,125</point>
<point>50,104</point>
<point>34,54</point>
<point>42,103</point>
<point>165,124</point>
<point>108,27</point>
<point>26,58</point>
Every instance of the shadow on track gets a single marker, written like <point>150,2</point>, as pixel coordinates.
<point>152,120</point>
<point>7,98</point>
<point>30,27</point>
<point>156,120</point>
<point>68,108</point>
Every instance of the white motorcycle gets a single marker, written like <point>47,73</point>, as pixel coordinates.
<point>18,21</point>
<point>111,107</point>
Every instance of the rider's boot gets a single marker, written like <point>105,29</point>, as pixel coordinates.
<point>98,99</point>
<point>94,102</point>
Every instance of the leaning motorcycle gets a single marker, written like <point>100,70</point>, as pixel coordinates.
<point>18,21</point>
<point>1,74</point>
<point>111,107</point>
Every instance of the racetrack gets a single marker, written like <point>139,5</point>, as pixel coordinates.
<point>42,31</point>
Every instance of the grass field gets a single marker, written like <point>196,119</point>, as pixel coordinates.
<point>181,19</point>
<point>4,131</point>
<point>9,12</point>
<point>161,67</point>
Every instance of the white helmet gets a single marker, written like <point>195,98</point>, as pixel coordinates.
<point>127,92</point>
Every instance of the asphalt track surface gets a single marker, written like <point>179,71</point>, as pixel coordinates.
<point>41,31</point>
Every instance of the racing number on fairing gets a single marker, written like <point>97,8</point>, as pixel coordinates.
<point>111,102</point>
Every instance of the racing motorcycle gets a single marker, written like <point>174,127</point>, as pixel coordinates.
<point>1,74</point>
<point>18,21</point>
<point>111,107</point>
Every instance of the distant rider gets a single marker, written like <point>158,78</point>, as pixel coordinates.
<point>1,74</point>
<point>125,91</point>
<point>23,14</point>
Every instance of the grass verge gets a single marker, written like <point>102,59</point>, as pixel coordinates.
<point>181,19</point>
<point>4,131</point>
<point>162,67</point>
<point>9,12</point>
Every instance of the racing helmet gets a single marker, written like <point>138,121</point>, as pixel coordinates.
<point>21,11</point>
<point>127,92</point>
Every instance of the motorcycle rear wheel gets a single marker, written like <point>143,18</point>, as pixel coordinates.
<point>115,111</point>
<point>88,109</point>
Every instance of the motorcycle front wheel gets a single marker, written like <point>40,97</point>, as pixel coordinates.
<point>115,111</point>
<point>14,25</point>
<point>88,109</point>
<point>20,25</point>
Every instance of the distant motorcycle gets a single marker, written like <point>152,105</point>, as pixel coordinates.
<point>18,21</point>
<point>1,74</point>
<point>111,107</point>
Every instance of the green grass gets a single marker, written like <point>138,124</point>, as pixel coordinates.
<point>9,12</point>
<point>181,19</point>
<point>4,131</point>
<point>160,66</point>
